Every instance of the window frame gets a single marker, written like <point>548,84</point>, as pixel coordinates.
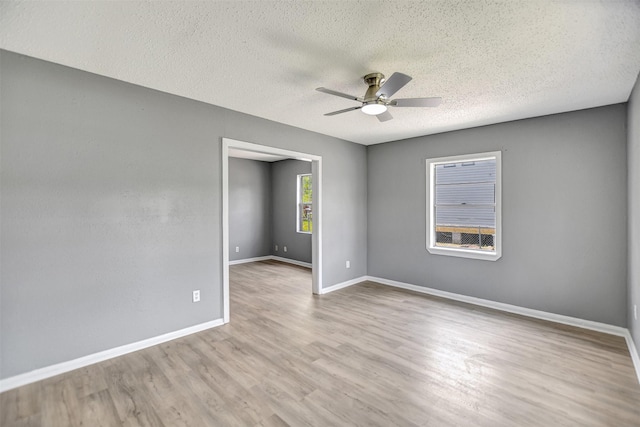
<point>430,220</point>
<point>299,203</point>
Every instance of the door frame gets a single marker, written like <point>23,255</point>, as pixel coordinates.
<point>316,236</point>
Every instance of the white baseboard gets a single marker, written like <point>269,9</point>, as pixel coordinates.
<point>634,353</point>
<point>291,261</point>
<point>529,312</point>
<point>246,260</point>
<point>60,368</point>
<point>343,285</point>
<point>271,258</point>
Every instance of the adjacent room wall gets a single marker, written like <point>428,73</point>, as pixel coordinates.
<point>111,210</point>
<point>262,210</point>
<point>249,209</point>
<point>564,214</point>
<point>284,190</point>
<point>633,155</point>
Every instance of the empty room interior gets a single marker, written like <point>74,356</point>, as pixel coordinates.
<point>275,213</point>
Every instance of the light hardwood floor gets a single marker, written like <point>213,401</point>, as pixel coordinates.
<point>367,355</point>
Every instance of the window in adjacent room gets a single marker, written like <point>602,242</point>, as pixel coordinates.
<point>464,206</point>
<point>305,204</point>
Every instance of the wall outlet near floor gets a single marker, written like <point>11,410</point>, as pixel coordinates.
<point>276,248</point>
<point>196,296</point>
<point>348,264</point>
<point>237,248</point>
<point>284,248</point>
<point>635,311</point>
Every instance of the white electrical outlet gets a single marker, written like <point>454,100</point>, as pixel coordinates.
<point>196,296</point>
<point>237,248</point>
<point>284,248</point>
<point>348,264</point>
<point>635,311</point>
<point>276,248</point>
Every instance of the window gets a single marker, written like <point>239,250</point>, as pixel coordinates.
<point>464,206</point>
<point>305,207</point>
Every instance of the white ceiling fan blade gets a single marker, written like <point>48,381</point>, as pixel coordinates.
<point>343,111</point>
<point>336,93</point>
<point>383,117</point>
<point>393,84</point>
<point>417,102</point>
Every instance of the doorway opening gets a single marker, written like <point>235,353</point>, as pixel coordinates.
<point>231,145</point>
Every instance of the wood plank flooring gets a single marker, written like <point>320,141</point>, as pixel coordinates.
<point>367,355</point>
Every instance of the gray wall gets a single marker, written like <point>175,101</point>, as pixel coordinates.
<point>111,210</point>
<point>564,214</point>
<point>249,208</point>
<point>633,155</point>
<point>284,188</point>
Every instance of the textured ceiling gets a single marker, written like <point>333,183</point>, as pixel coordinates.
<point>489,61</point>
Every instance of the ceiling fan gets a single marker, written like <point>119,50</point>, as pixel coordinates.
<point>376,100</point>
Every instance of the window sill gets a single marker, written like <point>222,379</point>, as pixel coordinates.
<point>465,253</point>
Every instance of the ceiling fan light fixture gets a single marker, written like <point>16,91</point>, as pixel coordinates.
<point>373,109</point>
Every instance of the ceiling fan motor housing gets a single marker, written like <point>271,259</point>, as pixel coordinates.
<point>374,80</point>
